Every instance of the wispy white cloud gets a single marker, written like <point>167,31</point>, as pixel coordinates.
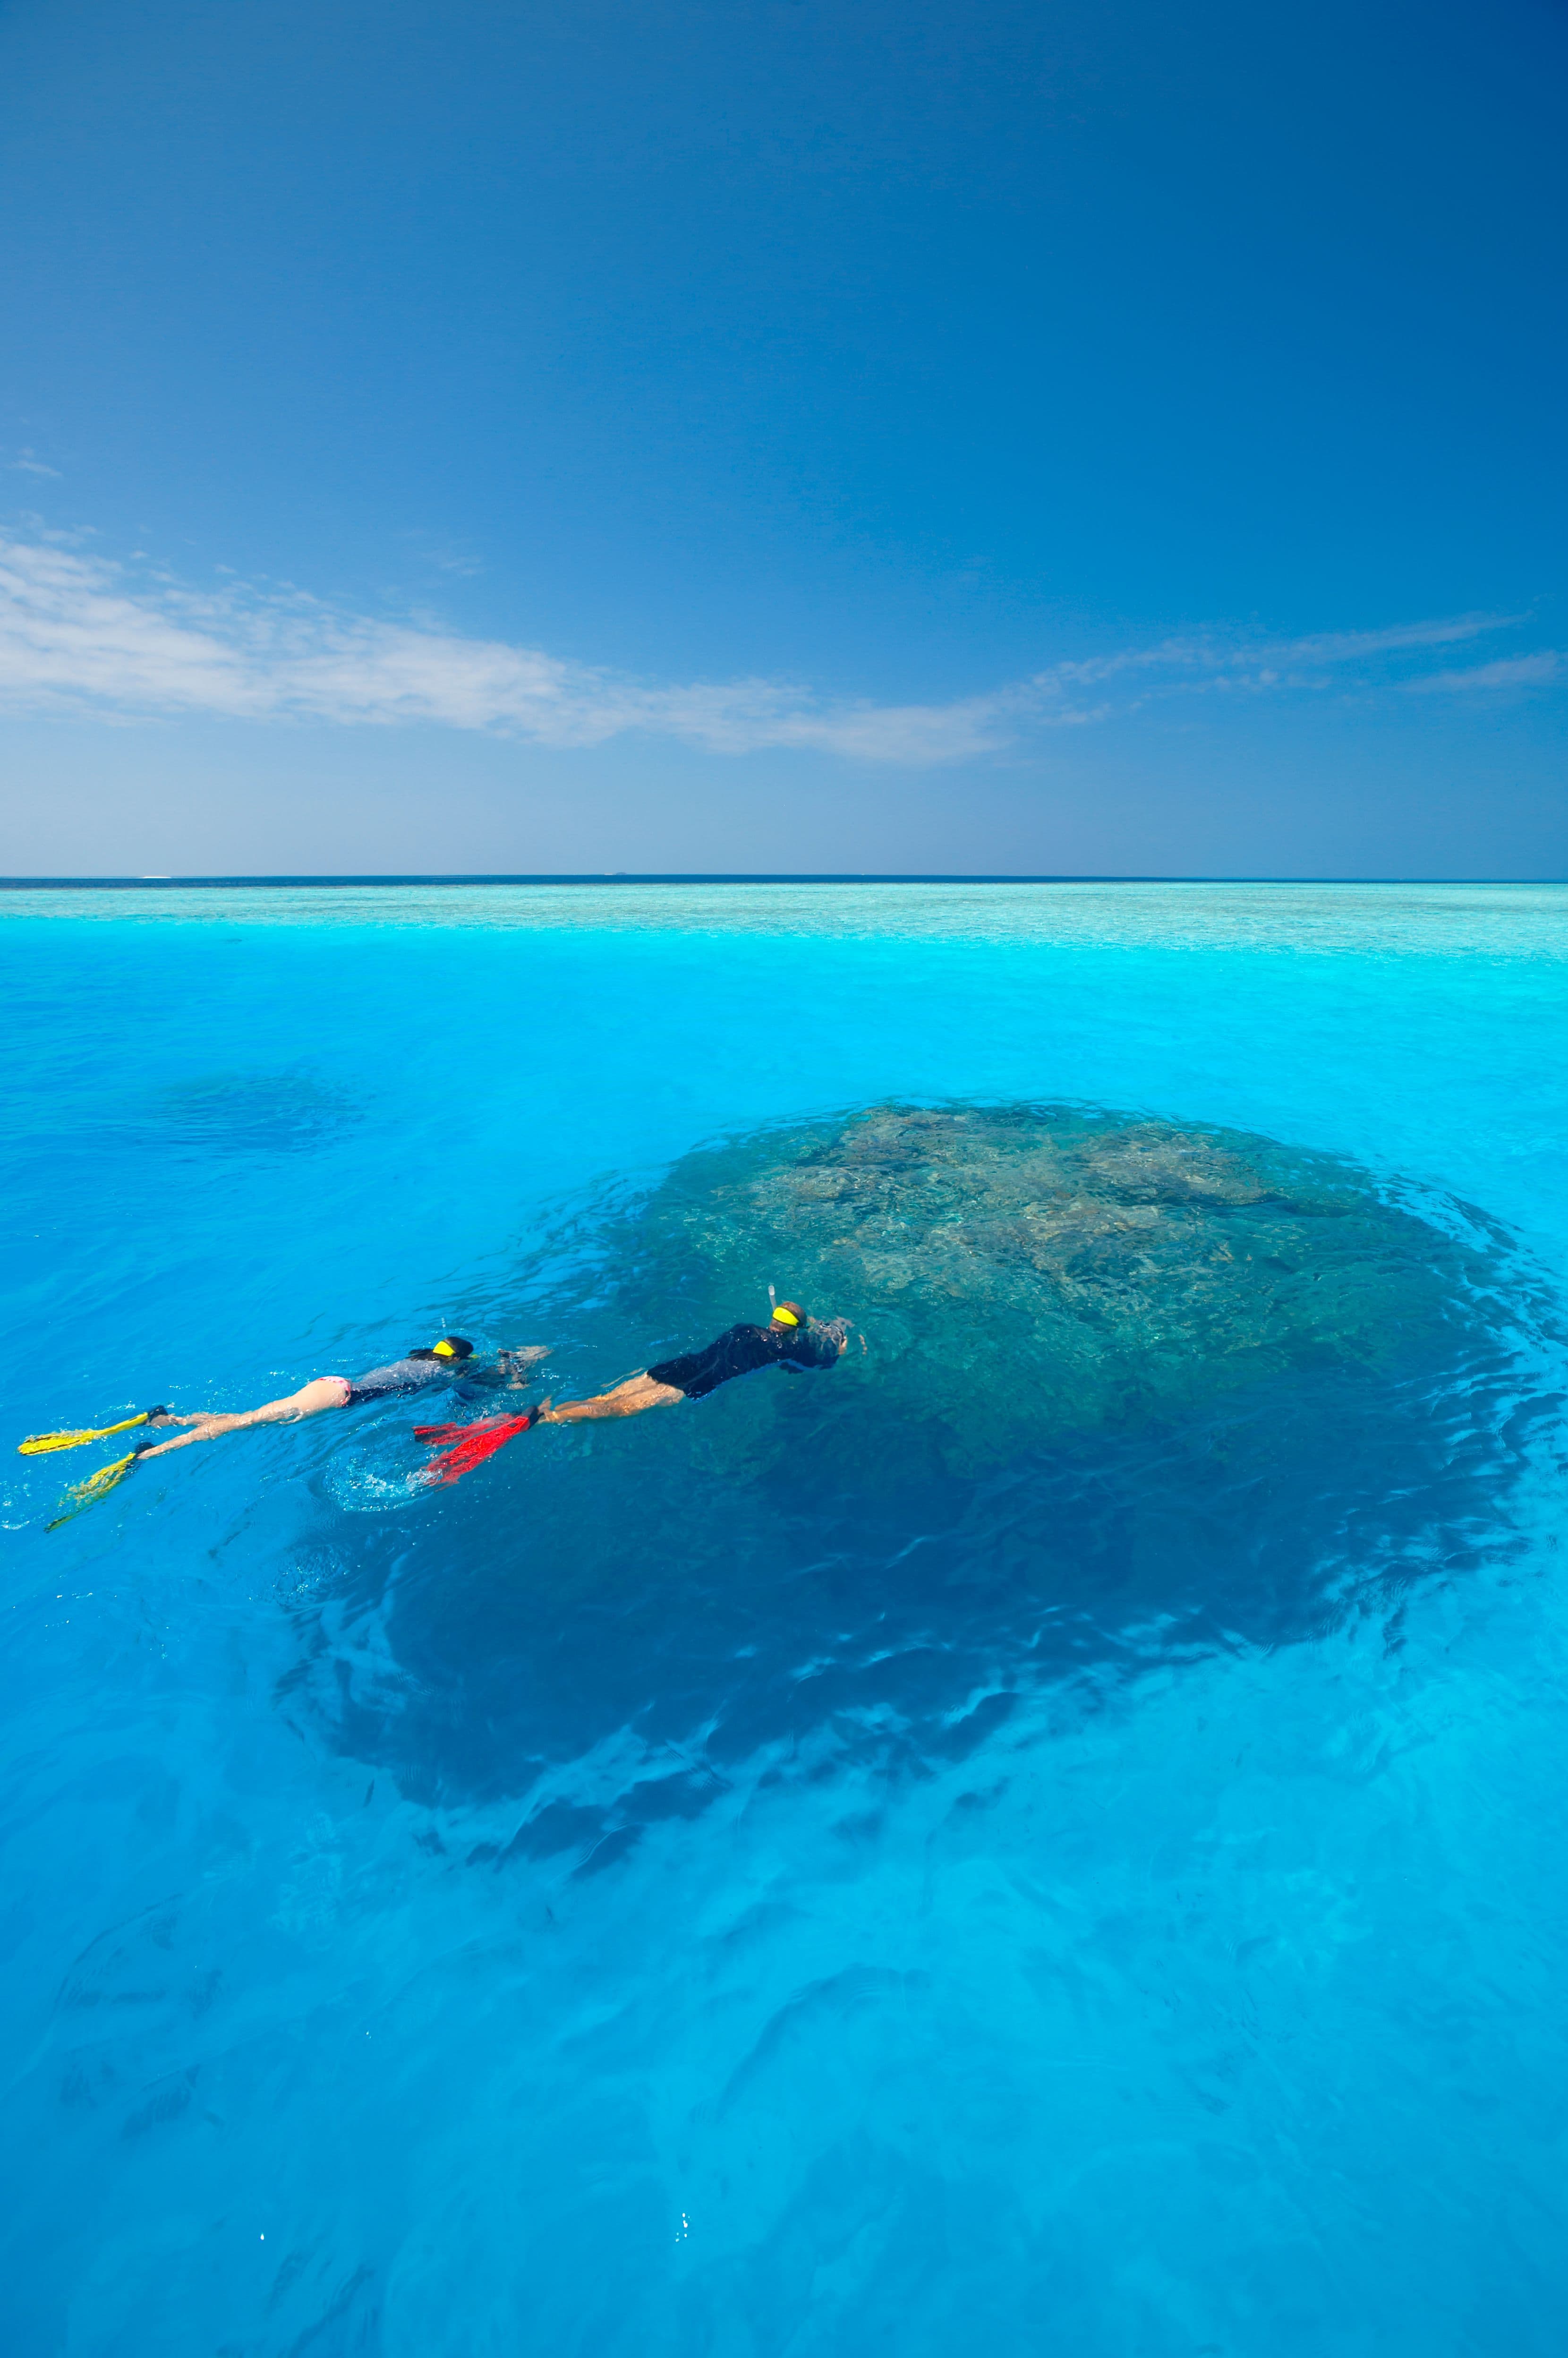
<point>1217,660</point>
<point>27,462</point>
<point>77,631</point>
<point>1512,671</point>
<point>1402,638</point>
<point>80,634</point>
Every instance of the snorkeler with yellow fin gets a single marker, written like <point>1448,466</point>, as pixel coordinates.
<point>449,1360</point>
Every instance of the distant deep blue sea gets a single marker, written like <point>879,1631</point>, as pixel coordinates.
<point>621,1908</point>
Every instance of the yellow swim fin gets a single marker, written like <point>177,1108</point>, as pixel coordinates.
<point>39,1444</point>
<point>97,1486</point>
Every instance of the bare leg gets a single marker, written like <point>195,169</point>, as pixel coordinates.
<point>629,1398</point>
<point>326,1391</point>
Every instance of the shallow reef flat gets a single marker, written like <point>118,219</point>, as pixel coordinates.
<point>1493,922</point>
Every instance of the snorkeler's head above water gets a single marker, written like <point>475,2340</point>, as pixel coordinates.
<point>450,1347</point>
<point>788,1314</point>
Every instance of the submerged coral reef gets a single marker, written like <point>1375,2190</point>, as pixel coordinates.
<point>1132,1389</point>
<point>1020,1271</point>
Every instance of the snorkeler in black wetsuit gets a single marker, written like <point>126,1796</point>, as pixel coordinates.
<point>790,1341</point>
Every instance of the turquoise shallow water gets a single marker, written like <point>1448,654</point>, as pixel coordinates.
<point>610,1907</point>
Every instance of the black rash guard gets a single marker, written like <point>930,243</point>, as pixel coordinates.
<point>741,1350</point>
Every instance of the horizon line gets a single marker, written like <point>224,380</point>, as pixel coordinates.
<point>714,876</point>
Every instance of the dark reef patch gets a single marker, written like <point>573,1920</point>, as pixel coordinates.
<point>1131,1390</point>
<point>246,1113</point>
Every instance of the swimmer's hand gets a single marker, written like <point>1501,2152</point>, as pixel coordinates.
<point>514,1365</point>
<point>834,1330</point>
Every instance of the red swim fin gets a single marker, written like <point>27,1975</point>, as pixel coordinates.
<point>468,1445</point>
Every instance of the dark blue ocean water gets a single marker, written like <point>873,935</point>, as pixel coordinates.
<point>631,1903</point>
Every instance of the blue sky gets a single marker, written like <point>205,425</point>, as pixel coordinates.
<point>782,436</point>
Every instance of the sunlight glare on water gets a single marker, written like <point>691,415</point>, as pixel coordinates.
<point>941,1855</point>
